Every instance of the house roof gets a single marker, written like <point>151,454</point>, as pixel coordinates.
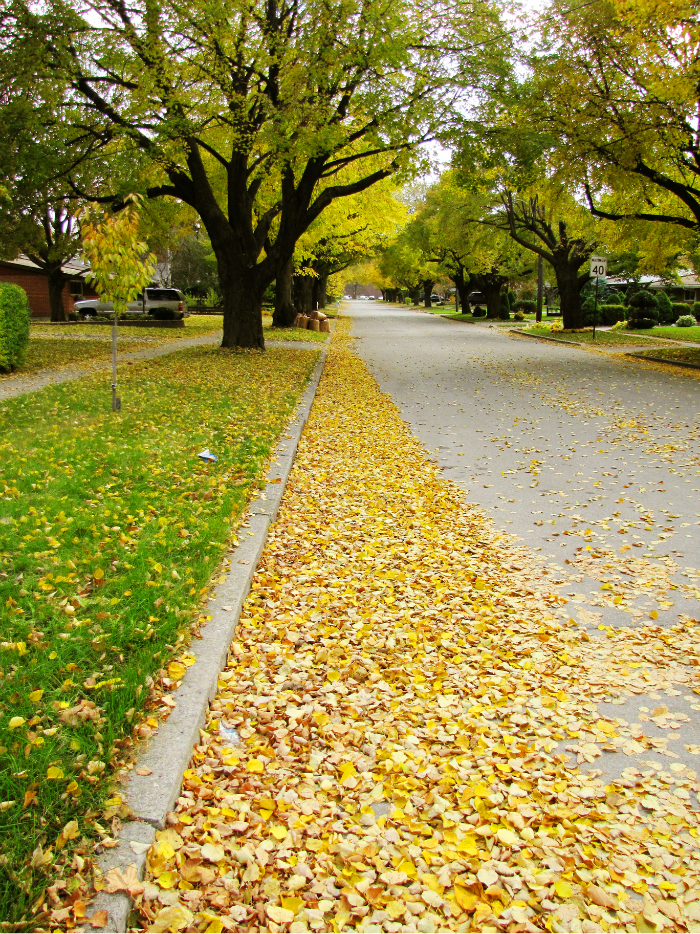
<point>74,267</point>
<point>687,280</point>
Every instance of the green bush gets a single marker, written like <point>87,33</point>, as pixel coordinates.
<point>479,312</point>
<point>526,305</point>
<point>519,316</point>
<point>161,313</point>
<point>643,310</point>
<point>696,309</point>
<point>528,295</point>
<point>512,298</point>
<point>14,326</point>
<point>680,310</point>
<point>686,321</point>
<point>504,311</point>
<point>611,314</point>
<point>612,298</point>
<point>666,315</point>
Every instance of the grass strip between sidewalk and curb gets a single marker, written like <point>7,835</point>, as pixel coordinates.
<point>51,353</point>
<point>382,753</point>
<point>110,532</point>
<point>686,357</point>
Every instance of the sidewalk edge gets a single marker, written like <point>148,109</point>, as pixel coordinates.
<point>151,797</point>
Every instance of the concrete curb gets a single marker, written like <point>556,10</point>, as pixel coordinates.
<point>688,366</point>
<point>152,796</point>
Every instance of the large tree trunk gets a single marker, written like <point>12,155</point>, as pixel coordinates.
<point>428,291</point>
<point>284,314</point>
<point>320,291</point>
<point>242,296</point>
<point>415,295</point>
<point>56,281</point>
<point>569,293</point>
<point>303,294</point>
<point>462,290</point>
<point>492,291</point>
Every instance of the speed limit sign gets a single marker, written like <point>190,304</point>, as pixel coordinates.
<point>599,267</point>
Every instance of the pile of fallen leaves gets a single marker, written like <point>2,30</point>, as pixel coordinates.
<point>397,738</point>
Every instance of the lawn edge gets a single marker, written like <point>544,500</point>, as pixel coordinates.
<point>552,340</point>
<point>151,797</point>
<point>643,356</point>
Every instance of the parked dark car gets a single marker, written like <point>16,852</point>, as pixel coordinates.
<point>476,298</point>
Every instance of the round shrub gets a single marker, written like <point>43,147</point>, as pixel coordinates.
<point>642,324</point>
<point>686,321</point>
<point>612,298</point>
<point>526,305</point>
<point>680,310</point>
<point>479,312</point>
<point>611,314</point>
<point>519,316</point>
<point>696,309</point>
<point>14,326</point>
<point>666,314</point>
<point>643,310</point>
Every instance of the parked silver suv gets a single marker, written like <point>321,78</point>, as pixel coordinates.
<point>150,298</point>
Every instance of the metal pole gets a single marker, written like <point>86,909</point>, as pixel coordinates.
<point>115,406</point>
<point>595,306</point>
<point>540,288</point>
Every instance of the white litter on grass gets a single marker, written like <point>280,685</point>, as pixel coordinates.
<point>207,456</point>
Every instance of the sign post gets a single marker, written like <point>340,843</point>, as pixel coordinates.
<point>599,269</point>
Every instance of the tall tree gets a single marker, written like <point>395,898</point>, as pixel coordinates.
<point>252,108</point>
<point>617,84</point>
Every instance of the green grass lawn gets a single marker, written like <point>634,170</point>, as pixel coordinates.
<point>602,338</point>
<point>682,354</point>
<point>675,334</point>
<point>195,326</point>
<point>110,530</point>
<point>55,352</point>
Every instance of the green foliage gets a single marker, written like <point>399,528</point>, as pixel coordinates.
<point>646,301</point>
<point>479,312</point>
<point>528,295</point>
<point>504,310</point>
<point>686,321</point>
<point>611,314</point>
<point>526,305</point>
<point>14,326</point>
<point>666,315</point>
<point>118,268</point>
<point>680,308</point>
<point>512,297</point>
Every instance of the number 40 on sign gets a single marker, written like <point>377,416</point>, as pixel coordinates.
<point>599,267</point>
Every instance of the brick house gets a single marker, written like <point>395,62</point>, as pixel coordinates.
<point>23,272</point>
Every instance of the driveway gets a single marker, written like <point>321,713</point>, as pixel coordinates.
<point>588,458</point>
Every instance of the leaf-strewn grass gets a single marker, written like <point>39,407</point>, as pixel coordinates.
<point>675,334</point>
<point>110,529</point>
<point>52,353</point>
<point>602,338</point>
<point>681,354</point>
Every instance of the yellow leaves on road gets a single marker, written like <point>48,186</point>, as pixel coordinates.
<point>422,723</point>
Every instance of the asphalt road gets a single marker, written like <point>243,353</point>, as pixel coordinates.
<point>589,458</point>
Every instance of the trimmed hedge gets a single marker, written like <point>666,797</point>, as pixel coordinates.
<point>666,314</point>
<point>479,312</point>
<point>680,309</point>
<point>525,305</point>
<point>611,314</point>
<point>14,326</point>
<point>643,310</point>
<point>504,310</point>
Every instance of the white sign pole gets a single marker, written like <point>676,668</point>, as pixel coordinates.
<point>599,269</point>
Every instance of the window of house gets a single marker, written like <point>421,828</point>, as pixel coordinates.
<point>689,295</point>
<point>76,288</point>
